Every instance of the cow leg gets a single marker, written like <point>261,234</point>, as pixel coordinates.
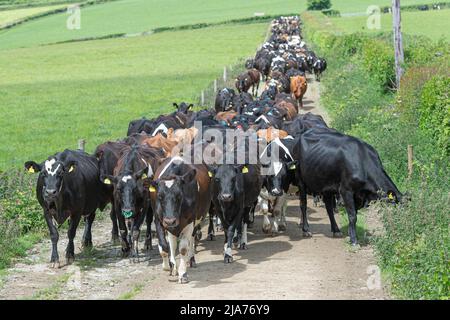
<point>228,256</point>
<point>245,222</point>
<point>349,203</point>
<point>70,250</point>
<point>329,200</point>
<point>123,235</point>
<point>304,218</point>
<point>173,244</point>
<point>263,205</point>
<point>135,233</point>
<point>280,213</point>
<point>211,233</point>
<point>162,245</point>
<point>148,234</point>
<point>54,236</point>
<point>86,241</point>
<point>115,227</point>
<point>186,239</point>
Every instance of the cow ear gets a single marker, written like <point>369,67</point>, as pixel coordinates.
<point>141,174</point>
<point>211,170</point>
<point>175,105</point>
<point>32,167</point>
<point>190,106</point>
<point>99,155</point>
<point>392,196</point>
<point>71,166</point>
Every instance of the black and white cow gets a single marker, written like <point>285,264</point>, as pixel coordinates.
<point>279,174</point>
<point>69,186</point>
<point>181,198</point>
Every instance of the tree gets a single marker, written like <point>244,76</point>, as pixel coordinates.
<point>319,4</point>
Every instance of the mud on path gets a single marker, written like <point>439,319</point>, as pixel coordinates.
<point>284,266</point>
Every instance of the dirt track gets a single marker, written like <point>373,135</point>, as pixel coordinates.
<point>285,266</point>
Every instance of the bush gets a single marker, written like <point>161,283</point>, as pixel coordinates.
<point>434,112</point>
<point>331,13</point>
<point>21,218</point>
<point>379,62</point>
<point>318,4</point>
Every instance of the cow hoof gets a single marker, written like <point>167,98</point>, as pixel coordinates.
<point>337,234</point>
<point>307,234</point>
<point>243,246</point>
<point>281,227</point>
<point>211,237</point>
<point>192,263</point>
<point>69,260</point>
<point>55,265</point>
<point>183,279</point>
<point>249,225</point>
<point>125,253</point>
<point>115,238</point>
<point>227,259</point>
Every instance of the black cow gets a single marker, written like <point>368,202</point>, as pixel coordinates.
<point>332,163</point>
<point>131,198</point>
<point>69,186</point>
<point>224,99</point>
<point>183,107</point>
<point>181,197</point>
<point>108,154</point>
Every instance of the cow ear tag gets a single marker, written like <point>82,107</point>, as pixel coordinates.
<point>152,189</point>
<point>71,168</point>
<point>107,181</point>
<point>210,174</point>
<point>390,196</point>
<point>292,167</point>
<point>31,170</point>
<point>144,176</point>
<point>244,170</point>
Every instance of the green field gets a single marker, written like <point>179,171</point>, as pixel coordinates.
<point>433,24</point>
<point>51,96</point>
<point>132,16</point>
<point>8,16</point>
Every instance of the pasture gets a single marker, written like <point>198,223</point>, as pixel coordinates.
<point>53,95</point>
<point>8,16</point>
<point>433,24</point>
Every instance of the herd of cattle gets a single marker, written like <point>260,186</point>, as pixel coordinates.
<point>150,176</point>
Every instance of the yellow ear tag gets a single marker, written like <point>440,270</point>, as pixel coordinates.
<point>292,167</point>
<point>244,170</point>
<point>152,189</point>
<point>107,181</point>
<point>31,170</point>
<point>210,174</point>
<point>71,168</point>
<point>391,196</point>
<point>144,176</point>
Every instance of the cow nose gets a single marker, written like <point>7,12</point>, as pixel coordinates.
<point>50,192</point>
<point>170,221</point>
<point>226,196</point>
<point>276,192</point>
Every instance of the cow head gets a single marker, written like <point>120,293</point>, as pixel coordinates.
<point>227,180</point>
<point>183,107</point>
<point>128,187</point>
<point>170,192</point>
<point>277,178</point>
<point>242,83</point>
<point>226,98</point>
<point>52,173</point>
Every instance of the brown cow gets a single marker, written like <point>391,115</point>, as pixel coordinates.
<point>271,133</point>
<point>225,116</point>
<point>161,142</point>
<point>250,78</point>
<point>287,108</point>
<point>298,88</point>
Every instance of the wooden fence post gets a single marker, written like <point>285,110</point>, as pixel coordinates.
<point>410,160</point>
<point>215,85</point>
<point>398,42</point>
<point>203,98</point>
<point>224,74</point>
<point>81,144</point>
